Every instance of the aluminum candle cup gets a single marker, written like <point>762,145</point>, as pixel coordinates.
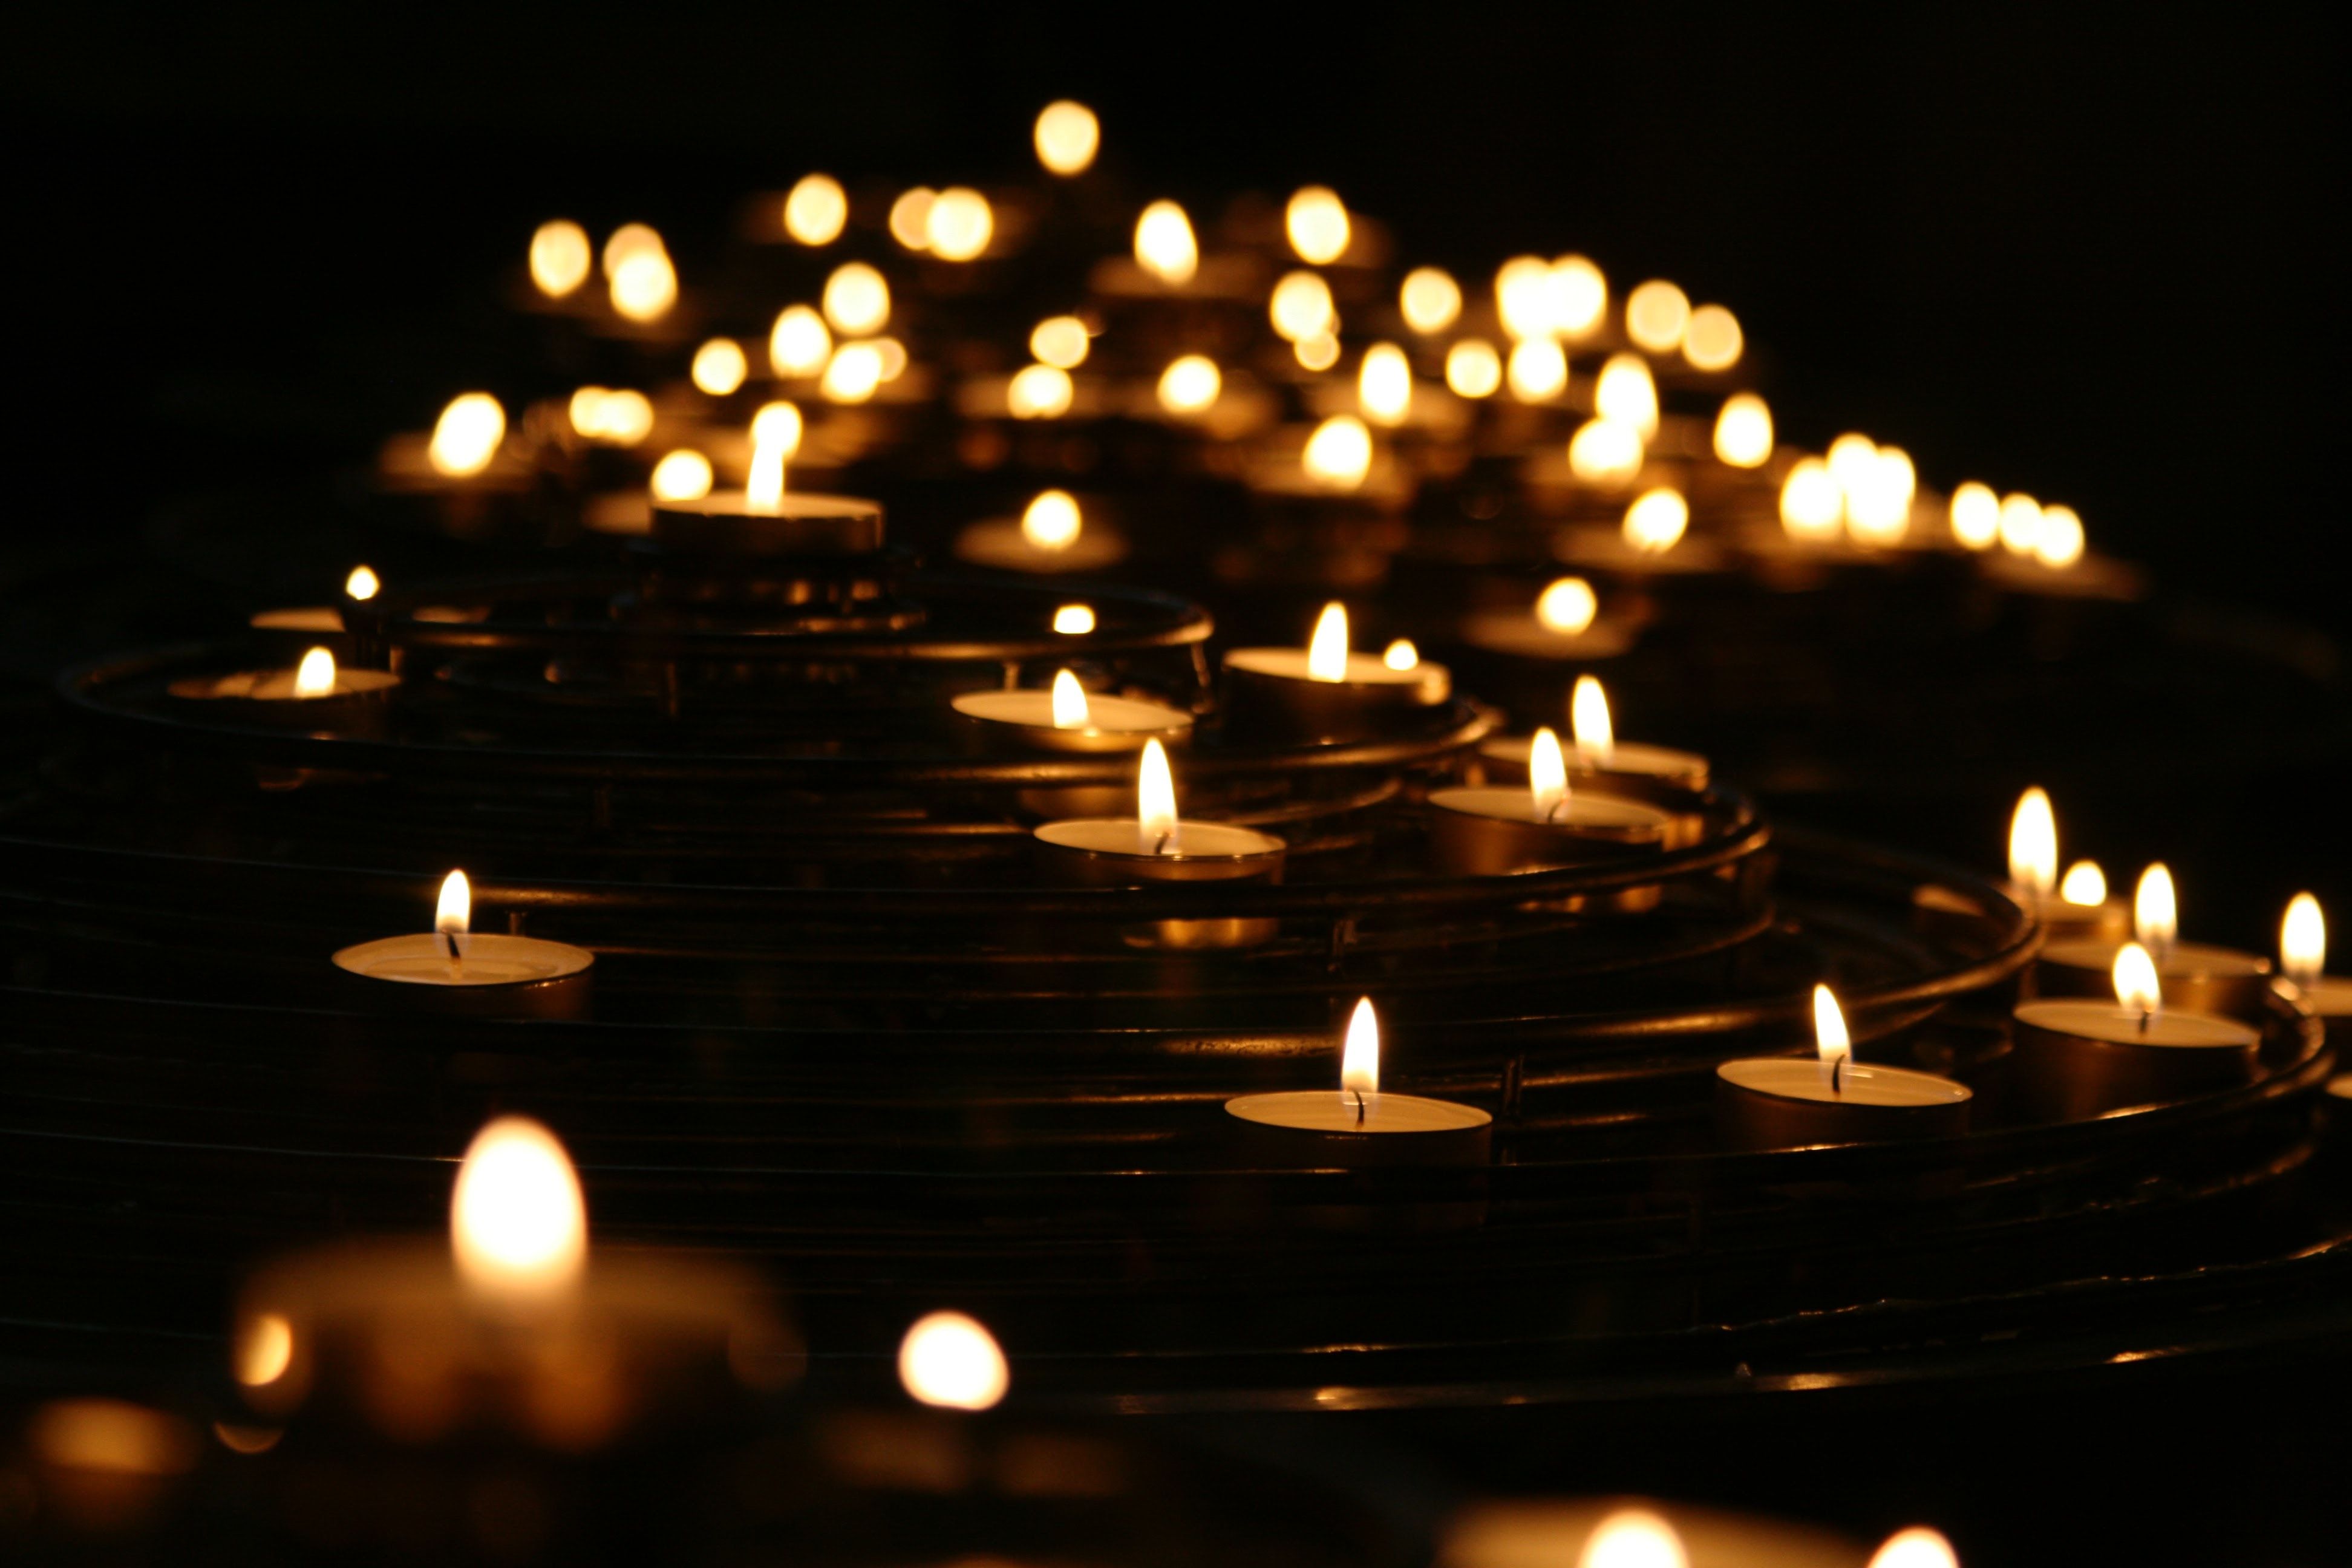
<point>1487,831</point>
<point>1269,693</point>
<point>1023,720</point>
<point>2078,1059</point>
<point>1790,1102</point>
<point>2196,978</point>
<point>2107,923</point>
<point>725,522</point>
<point>495,976</point>
<point>1624,768</point>
<point>1323,1129</point>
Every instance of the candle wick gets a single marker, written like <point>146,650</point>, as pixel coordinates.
<point>456,956</point>
<point>1359,1105</point>
<point>2146,1016</point>
<point>1837,1076</point>
<point>1165,840</point>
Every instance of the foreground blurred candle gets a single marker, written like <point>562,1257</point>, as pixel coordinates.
<point>953,1361</point>
<point>1067,718</point>
<point>1743,431</point>
<point>1317,222</point>
<point>1325,692</point>
<point>1917,1547</point>
<point>815,210</point>
<point>1066,135</point>
<point>1361,1125</point>
<point>2084,1059</point>
<point>1780,1103</point>
<point>1164,245</point>
<point>467,436</point>
<point>453,967</point>
<point>559,258</point>
<point>518,1223</point>
<point>1477,830</point>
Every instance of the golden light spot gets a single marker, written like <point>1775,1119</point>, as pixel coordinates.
<point>264,1349</point>
<point>960,224</point>
<point>1657,314</point>
<point>1538,370</point>
<point>1164,245</point>
<point>1040,392</point>
<point>1627,392</point>
<point>681,474</point>
<point>1384,384</point>
<point>1401,655</point>
<point>1052,522</point>
<point>1472,368</point>
<point>910,217</point>
<point>643,282</point>
<point>853,373</point>
<point>1743,431</point>
<point>799,344</point>
<point>1713,340</point>
<point>1191,385</point>
<point>856,300</point>
<point>1568,606</point>
<point>518,1223</point>
<point>1655,521</point>
<point>1317,222</point>
<point>1073,620</point>
<point>1327,648</point>
<point>467,436</point>
<point>1340,452</point>
<point>1579,296</point>
<point>1066,136</point>
<point>2020,523</point>
<point>1300,306</point>
<point>1319,352</point>
<point>720,366</point>
<point>559,258</point>
<point>2033,843</point>
<point>362,583</point>
<point>1524,298</point>
<point>1061,342</point>
<point>1430,300</point>
<point>950,1361</point>
<point>1812,504</point>
<point>1605,452</point>
<point>816,210</point>
<point>1976,516</point>
<point>2083,884</point>
<point>2060,542</point>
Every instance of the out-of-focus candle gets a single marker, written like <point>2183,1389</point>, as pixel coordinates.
<point>1976,516</point>
<point>911,216</point>
<point>1317,222</point>
<point>1061,342</point>
<point>1430,300</point>
<point>1713,340</point>
<point>719,367</point>
<point>856,300</point>
<point>1537,370</point>
<point>680,476</point>
<point>1917,1547</point>
<point>1164,245</point>
<point>467,436</point>
<point>815,210</point>
<point>1743,431</point>
<point>959,224</point>
<point>799,344</point>
<point>1626,392</point>
<point>1657,314</point>
<point>1567,605</point>
<point>1190,385</point>
<point>1300,306</point>
<point>953,1361</point>
<point>1338,454</point>
<point>1812,504</point>
<point>1066,136</point>
<point>559,258</point>
<point>1472,368</point>
<point>1606,453</point>
<point>1384,385</point>
<point>1655,520</point>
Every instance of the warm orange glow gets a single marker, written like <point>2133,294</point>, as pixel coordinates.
<point>1191,385</point>
<point>776,438</point>
<point>953,1361</point>
<point>778,425</point>
<point>1327,651</point>
<point>799,344</point>
<point>910,217</point>
<point>2302,942</point>
<point>1073,620</point>
<point>1155,799</point>
<point>264,1349</point>
<point>1567,606</point>
<point>960,224</point>
<point>2083,884</point>
<point>856,300</point>
<point>2060,542</point>
<point>1039,392</point>
<point>1917,1547</point>
<point>893,356</point>
<point>1627,392</point>
<point>1588,718</point>
<point>518,1223</point>
<point>559,258</point>
<point>1655,521</point>
<point>315,675</point>
<point>1976,516</point>
<point>1164,245</point>
<point>2155,912</point>
<point>617,418</point>
<point>1401,655</point>
<point>2020,523</point>
<point>1657,314</point>
<point>1606,452</point>
<point>1360,1056</point>
<point>2033,843</point>
<point>1052,522</point>
<point>1633,1538</point>
<point>682,475</point>
<point>1546,775</point>
<point>643,282</point>
<point>1340,453</point>
<point>467,436</point>
<point>1472,368</point>
<point>453,911</point>
<point>720,366</point>
<point>1300,306</point>
<point>816,210</point>
<point>1713,340</point>
<point>1319,352</point>
<point>110,1435</point>
<point>853,373</point>
<point>362,584</point>
<point>1579,296</point>
<point>1384,384</point>
<point>1066,136</point>
<point>1743,431</point>
<point>1851,458</point>
<point>1070,710</point>
<point>1830,1036</point>
<point>2138,984</point>
<point>1537,370</point>
<point>1317,222</point>
<point>1810,502</point>
<point>1061,342</point>
<point>1430,300</point>
<point>1878,496</point>
<point>630,239</point>
<point>1524,298</point>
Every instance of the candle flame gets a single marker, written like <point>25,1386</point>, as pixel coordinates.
<point>959,225</point>
<point>518,1223</point>
<point>1401,655</point>
<point>1743,431</point>
<point>2084,884</point>
<point>1810,502</point>
<point>453,913</point>
<point>1537,370</point>
<point>265,1350</point>
<point>1829,1036</point>
<point>815,209</point>
<point>1579,296</point>
<point>2060,542</point>
<point>467,436</point>
<point>856,300</point>
<point>1587,718</point>
<point>1472,368</point>
<point>1606,452</point>
<point>910,217</point>
<point>1073,620</point>
<point>720,366</point>
<point>1654,522</point>
<point>1713,340</point>
<point>2138,986</point>
<point>1917,1547</point>
<point>953,1361</point>
<point>1052,522</point>
<point>853,372</point>
<point>1658,315</point>
<point>1319,352</point>
<point>622,418</point>
<point>1524,298</point>
<point>1066,136</point>
<point>1360,1057</point>
<point>643,282</point>
<point>1633,1538</point>
<point>775,438</point>
<point>1626,392</point>
<point>1039,392</point>
<point>1061,342</point>
<point>559,258</point>
<point>1164,245</point>
<point>1384,384</point>
<point>2019,524</point>
<point>2302,942</point>
<point>1568,606</point>
<point>1878,493</point>
<point>1190,385</point>
<point>1327,651</point>
<point>682,475</point>
<point>1430,300</point>
<point>1317,222</point>
<point>2033,843</point>
<point>1070,710</point>
<point>2156,912</point>
<point>1547,776</point>
<point>1300,306</point>
<point>1155,800</point>
<point>362,584</point>
<point>799,344</point>
<point>1340,453</point>
<point>1976,516</point>
<point>315,675</point>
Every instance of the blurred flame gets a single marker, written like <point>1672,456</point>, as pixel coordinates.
<point>1472,368</point>
<point>645,285</point>
<point>1360,1056</point>
<point>815,209</point>
<point>1384,384</point>
<point>1066,137</point>
<point>775,438</point>
<point>1657,314</point>
<point>1546,775</point>
<point>1039,392</point>
<point>1976,516</point>
<point>2138,986</point>
<point>720,366</point>
<point>2060,542</point>
<point>518,1223</point>
<point>1878,498</point>
<point>856,300</point>
<point>1164,245</point>
<point>1713,340</point>
<point>1917,1547</point>
<point>2033,843</point>
<point>2302,942</point>
<point>1070,710</point>
<point>361,585</point>
<point>853,373</point>
<point>1190,385</point>
<point>1810,502</point>
<point>1073,620</point>
<point>1524,298</point>
<point>1327,651</point>
<point>893,356</point>
<point>799,344</point>
<point>951,1360</point>
<point>1430,300</point>
<point>681,474</point>
<point>1401,655</point>
<point>1633,1538</point>
<point>630,239</point>
<point>1605,452</point>
<point>2083,884</point>
<point>620,418</point>
<point>467,436</point>
<point>315,675</point>
<point>559,258</point>
<point>1155,799</point>
<point>1060,342</point>
<point>1321,352</point>
<point>1579,296</point>
<point>1340,453</point>
<point>453,911</point>
<point>1743,431</point>
<point>1830,1036</point>
<point>960,224</point>
<point>1588,718</point>
<point>1568,606</point>
<point>910,217</point>
<point>2156,912</point>
<point>1052,522</point>
<point>1627,392</point>
<point>1537,370</point>
<point>778,425</point>
<point>2020,523</point>
<point>265,1350</point>
<point>1317,222</point>
<point>1300,306</point>
<point>1656,521</point>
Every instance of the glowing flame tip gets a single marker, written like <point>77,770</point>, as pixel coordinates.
<point>518,1223</point>
<point>1327,651</point>
<point>1360,1057</point>
<point>1070,710</point>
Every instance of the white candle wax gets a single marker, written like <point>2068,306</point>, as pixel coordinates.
<point>1629,760</point>
<point>486,958</point>
<point>1432,682</point>
<point>1342,1111</point>
<point>1201,846</point>
<point>2111,1022</point>
<point>1862,1088</point>
<point>1113,723</point>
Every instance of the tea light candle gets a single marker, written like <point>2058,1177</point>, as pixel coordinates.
<point>1489,831</point>
<point>1070,718</point>
<point>1783,1102</point>
<point>2077,906</point>
<point>2082,1058</point>
<point>1051,535</point>
<point>2197,978</point>
<point>361,586</point>
<point>1597,755</point>
<point>1323,693</point>
<point>453,968</point>
<point>763,518</point>
<point>1156,844</point>
<point>2303,957</point>
<point>1360,1125</point>
<point>316,694</point>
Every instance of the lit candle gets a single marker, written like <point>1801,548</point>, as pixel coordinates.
<point>951,1361</point>
<point>316,694</point>
<point>454,967</point>
<point>1564,622</point>
<point>1624,766</point>
<point>1053,534</point>
<point>358,588</point>
<point>1323,693</point>
<point>2073,908</point>
<point>1485,830</point>
<point>1781,1103</point>
<point>1067,718</point>
<point>1361,1125</point>
<point>1156,844</point>
<point>2303,959</point>
<point>2084,1059</point>
<point>764,518</point>
<point>2197,977</point>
